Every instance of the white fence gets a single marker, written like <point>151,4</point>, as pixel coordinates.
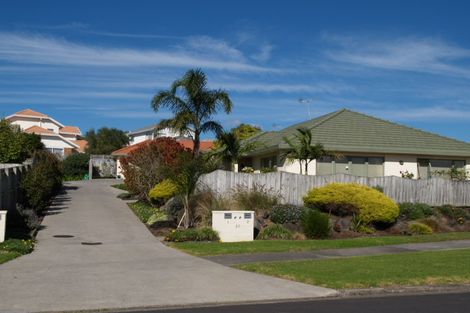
<point>293,187</point>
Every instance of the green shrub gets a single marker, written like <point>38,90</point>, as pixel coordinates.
<point>349,199</point>
<point>76,165</point>
<point>417,228</point>
<point>193,234</point>
<point>316,224</point>
<point>120,186</point>
<point>158,216</point>
<point>20,246</point>
<point>415,211</point>
<point>434,224</point>
<point>257,199</point>
<point>275,231</point>
<point>43,181</point>
<point>268,170</point>
<point>453,213</point>
<point>143,210</point>
<point>164,190</point>
<point>286,213</point>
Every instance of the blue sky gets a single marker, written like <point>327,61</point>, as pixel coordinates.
<point>98,63</point>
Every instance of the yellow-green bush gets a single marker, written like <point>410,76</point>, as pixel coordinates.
<point>163,190</point>
<point>347,199</point>
<point>417,228</point>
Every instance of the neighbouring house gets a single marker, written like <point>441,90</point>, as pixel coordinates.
<point>205,145</point>
<point>150,132</point>
<point>367,146</point>
<point>58,138</point>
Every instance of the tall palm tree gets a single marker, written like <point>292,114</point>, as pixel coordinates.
<point>193,106</point>
<point>231,148</point>
<point>302,149</point>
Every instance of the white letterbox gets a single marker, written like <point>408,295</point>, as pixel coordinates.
<point>3,225</point>
<point>234,226</point>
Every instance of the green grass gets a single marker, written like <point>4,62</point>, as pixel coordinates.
<point>143,210</point>
<point>407,269</point>
<point>13,248</point>
<point>262,246</point>
<point>120,186</point>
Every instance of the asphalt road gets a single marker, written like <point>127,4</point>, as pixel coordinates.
<point>435,303</point>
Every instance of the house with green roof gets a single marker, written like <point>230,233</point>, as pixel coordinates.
<point>368,146</point>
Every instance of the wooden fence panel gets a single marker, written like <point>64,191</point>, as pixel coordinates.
<point>293,187</point>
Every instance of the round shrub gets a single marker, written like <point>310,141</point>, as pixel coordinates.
<point>286,213</point>
<point>193,234</point>
<point>316,224</point>
<point>417,228</point>
<point>275,231</point>
<point>415,211</point>
<point>348,199</point>
<point>76,166</point>
<point>163,190</point>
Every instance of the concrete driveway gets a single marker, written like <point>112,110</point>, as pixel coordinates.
<point>131,268</point>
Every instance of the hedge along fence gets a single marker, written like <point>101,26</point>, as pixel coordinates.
<point>293,187</point>
<point>10,179</point>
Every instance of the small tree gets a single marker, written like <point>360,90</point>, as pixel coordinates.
<point>245,131</point>
<point>193,106</point>
<point>105,140</point>
<point>302,149</point>
<point>231,148</point>
<point>15,145</point>
<point>150,164</point>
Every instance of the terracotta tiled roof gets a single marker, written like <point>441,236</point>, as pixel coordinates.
<point>70,130</point>
<point>39,130</point>
<point>187,143</point>
<point>205,145</point>
<point>30,112</point>
<point>81,143</point>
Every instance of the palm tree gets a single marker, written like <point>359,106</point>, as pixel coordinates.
<point>302,149</point>
<point>193,106</point>
<point>231,148</point>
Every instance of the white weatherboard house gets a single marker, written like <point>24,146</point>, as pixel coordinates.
<point>56,137</point>
<point>149,132</point>
<point>368,146</point>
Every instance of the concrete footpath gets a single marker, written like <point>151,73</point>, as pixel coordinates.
<point>234,259</point>
<point>121,265</point>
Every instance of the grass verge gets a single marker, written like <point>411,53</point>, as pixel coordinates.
<point>13,248</point>
<point>407,269</point>
<point>120,186</point>
<point>263,246</point>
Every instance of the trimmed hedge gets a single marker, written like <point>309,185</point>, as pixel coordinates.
<point>275,231</point>
<point>348,199</point>
<point>193,234</point>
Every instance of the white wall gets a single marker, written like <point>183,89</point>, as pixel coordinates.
<point>392,166</point>
<point>55,142</point>
<point>26,123</point>
<point>294,167</point>
<point>69,136</point>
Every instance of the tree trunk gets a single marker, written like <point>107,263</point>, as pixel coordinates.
<point>197,143</point>
<point>306,167</point>
<point>235,167</point>
<point>300,165</point>
<point>187,219</point>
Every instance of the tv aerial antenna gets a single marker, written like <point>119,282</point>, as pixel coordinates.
<point>307,102</point>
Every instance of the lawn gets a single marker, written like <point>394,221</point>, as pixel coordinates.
<point>262,246</point>
<point>13,248</point>
<point>407,269</point>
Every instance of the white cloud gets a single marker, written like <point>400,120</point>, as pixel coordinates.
<point>432,113</point>
<point>211,46</point>
<point>264,53</point>
<point>426,55</point>
<point>36,49</point>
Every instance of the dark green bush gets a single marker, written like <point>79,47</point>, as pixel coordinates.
<point>43,181</point>
<point>257,199</point>
<point>275,231</point>
<point>453,213</point>
<point>316,224</point>
<point>76,166</point>
<point>193,234</point>
<point>286,213</point>
<point>19,246</point>
<point>415,211</point>
<point>143,210</point>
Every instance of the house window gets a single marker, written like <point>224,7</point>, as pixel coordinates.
<point>428,168</point>
<point>269,162</point>
<point>353,165</point>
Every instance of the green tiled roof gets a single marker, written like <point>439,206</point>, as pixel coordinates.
<point>348,131</point>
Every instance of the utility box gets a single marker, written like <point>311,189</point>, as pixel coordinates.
<point>234,226</point>
<point>3,225</point>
